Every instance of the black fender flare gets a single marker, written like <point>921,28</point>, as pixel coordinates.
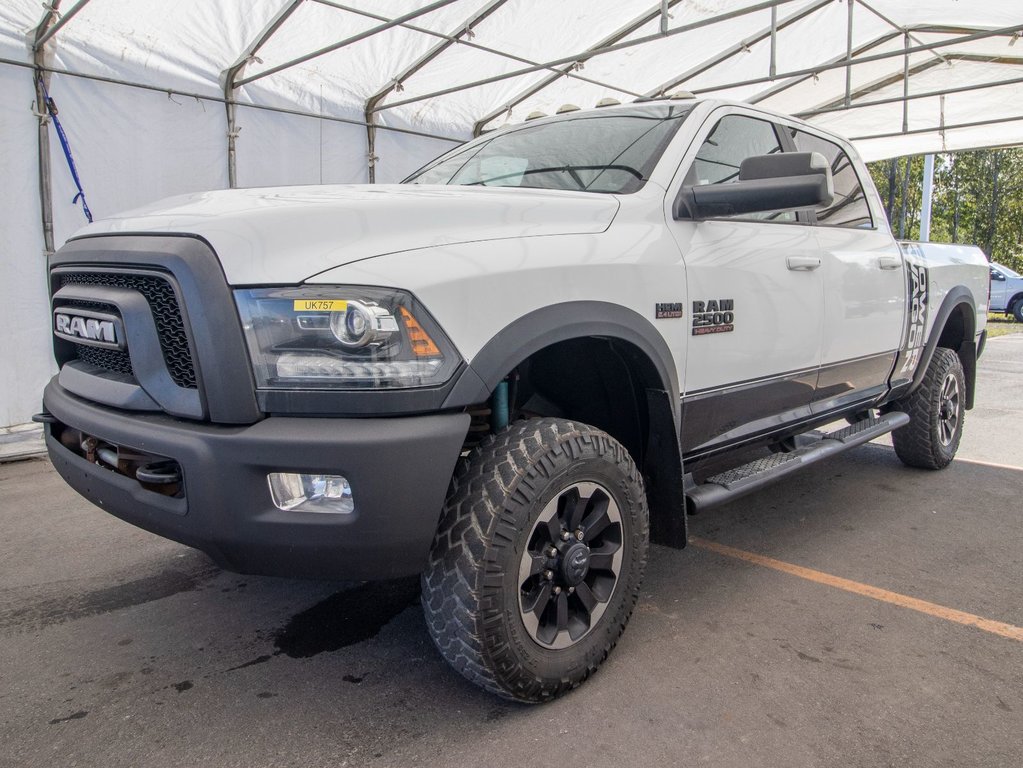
<point>536,330</point>
<point>561,322</point>
<point>967,351</point>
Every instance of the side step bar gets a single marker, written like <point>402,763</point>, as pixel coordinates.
<point>813,447</point>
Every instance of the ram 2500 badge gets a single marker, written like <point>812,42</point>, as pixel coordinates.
<point>511,372</point>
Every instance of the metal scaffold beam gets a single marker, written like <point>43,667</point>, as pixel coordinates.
<point>589,54</point>
<point>659,10</point>
<point>229,81</point>
<point>398,82</point>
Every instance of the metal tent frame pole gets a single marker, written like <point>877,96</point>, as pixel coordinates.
<point>397,84</point>
<point>769,32</point>
<point>925,199</point>
<point>467,43</point>
<point>59,24</point>
<point>49,25</point>
<point>912,97</point>
<point>840,62</point>
<point>230,85</point>
<point>43,133</point>
<point>659,10</point>
<point>221,100</point>
<point>346,42</point>
<point>943,128</point>
<point>589,54</point>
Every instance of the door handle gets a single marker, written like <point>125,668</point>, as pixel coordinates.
<point>802,263</point>
<point>890,262</point>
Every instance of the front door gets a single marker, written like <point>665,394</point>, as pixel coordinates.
<point>756,299</point>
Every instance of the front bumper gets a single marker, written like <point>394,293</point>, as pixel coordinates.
<point>398,468</point>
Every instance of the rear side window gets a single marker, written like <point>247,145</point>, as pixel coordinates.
<point>849,208</point>
<point>733,139</point>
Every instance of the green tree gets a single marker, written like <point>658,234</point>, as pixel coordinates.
<point>978,199</point>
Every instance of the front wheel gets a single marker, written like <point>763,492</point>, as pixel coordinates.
<point>936,410</point>
<point>538,559</point>
<point>1017,311</point>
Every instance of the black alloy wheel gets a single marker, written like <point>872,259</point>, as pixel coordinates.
<point>538,559</point>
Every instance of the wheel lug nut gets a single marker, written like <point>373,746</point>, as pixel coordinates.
<point>548,574</point>
<point>552,552</point>
<point>571,590</point>
<point>565,535</point>
<point>557,590</point>
<point>579,534</point>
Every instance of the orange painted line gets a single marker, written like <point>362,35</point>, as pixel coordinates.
<point>980,463</point>
<point>894,598</point>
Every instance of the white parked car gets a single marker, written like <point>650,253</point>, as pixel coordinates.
<point>510,372</point>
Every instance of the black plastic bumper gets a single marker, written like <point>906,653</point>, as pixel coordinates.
<point>398,469</point>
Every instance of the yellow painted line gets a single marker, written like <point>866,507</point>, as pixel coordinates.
<point>931,609</point>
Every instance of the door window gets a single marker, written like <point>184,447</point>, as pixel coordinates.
<point>849,208</point>
<point>733,139</point>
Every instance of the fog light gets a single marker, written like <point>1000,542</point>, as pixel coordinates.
<point>311,493</point>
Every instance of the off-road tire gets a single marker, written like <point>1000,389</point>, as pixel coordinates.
<point>919,443</point>
<point>470,588</point>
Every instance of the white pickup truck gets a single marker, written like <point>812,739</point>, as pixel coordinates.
<point>510,372</point>
<point>1006,291</point>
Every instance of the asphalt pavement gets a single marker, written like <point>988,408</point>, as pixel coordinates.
<point>118,648</point>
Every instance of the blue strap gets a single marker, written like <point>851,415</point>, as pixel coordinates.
<point>51,109</point>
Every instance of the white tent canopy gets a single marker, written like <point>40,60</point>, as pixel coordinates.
<point>160,97</point>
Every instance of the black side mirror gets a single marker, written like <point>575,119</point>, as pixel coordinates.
<point>781,182</point>
<point>997,276</point>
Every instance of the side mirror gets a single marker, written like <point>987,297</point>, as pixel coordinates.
<point>785,181</point>
<point>997,276</point>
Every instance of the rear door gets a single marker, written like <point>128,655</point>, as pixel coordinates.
<point>865,285</point>
<point>756,298</point>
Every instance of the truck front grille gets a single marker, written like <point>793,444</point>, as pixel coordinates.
<point>170,326</point>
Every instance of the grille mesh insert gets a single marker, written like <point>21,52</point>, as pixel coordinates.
<point>170,326</point>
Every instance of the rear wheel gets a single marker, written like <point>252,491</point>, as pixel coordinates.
<point>936,410</point>
<point>538,559</point>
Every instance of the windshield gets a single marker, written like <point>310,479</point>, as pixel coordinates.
<point>612,152</point>
<point>1006,271</point>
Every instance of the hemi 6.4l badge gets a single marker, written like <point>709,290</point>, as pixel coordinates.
<point>713,316</point>
<point>667,311</point>
<point>83,326</point>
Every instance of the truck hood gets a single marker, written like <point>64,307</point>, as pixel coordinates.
<point>282,235</point>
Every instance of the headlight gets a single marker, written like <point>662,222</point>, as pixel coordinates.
<point>334,337</point>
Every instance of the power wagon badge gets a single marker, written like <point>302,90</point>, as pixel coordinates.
<point>713,316</point>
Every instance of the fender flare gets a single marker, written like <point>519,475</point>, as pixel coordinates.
<point>967,350</point>
<point>561,322</point>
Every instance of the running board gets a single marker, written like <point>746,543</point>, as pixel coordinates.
<point>812,447</point>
